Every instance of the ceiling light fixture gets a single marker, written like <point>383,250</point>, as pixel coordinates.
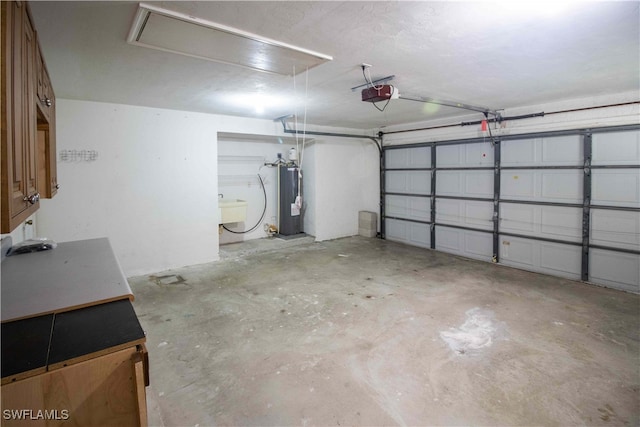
<point>532,8</point>
<point>176,32</point>
<point>258,102</point>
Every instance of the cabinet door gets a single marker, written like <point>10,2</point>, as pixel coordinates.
<point>52,161</point>
<point>46,109</point>
<point>44,91</point>
<point>17,185</point>
<point>39,71</point>
<point>29,107</point>
<point>102,391</point>
<point>19,174</point>
<point>47,166</point>
<point>24,81</point>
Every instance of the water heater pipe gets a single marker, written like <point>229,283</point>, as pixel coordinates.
<point>339,135</point>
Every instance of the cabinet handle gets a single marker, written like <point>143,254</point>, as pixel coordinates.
<point>33,199</point>
<point>46,101</point>
<point>57,186</point>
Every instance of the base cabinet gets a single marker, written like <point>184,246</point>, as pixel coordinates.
<point>72,350</point>
<point>104,391</point>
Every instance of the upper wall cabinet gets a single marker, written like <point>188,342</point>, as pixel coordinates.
<point>28,119</point>
<point>46,131</point>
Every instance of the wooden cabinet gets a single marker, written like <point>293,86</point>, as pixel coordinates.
<point>44,91</point>
<point>28,121</point>
<point>72,350</point>
<point>95,369</point>
<point>107,390</point>
<point>15,117</point>
<point>46,131</point>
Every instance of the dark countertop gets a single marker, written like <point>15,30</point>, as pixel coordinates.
<point>38,344</point>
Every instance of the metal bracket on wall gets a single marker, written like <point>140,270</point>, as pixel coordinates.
<point>383,187</point>
<point>382,81</point>
<point>586,205</point>
<point>433,196</point>
<point>496,202</point>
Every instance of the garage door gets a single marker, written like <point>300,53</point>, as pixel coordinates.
<point>557,203</point>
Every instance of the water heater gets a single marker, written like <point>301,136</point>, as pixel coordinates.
<point>290,215</point>
<point>293,155</point>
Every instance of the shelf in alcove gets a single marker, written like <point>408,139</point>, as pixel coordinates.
<point>235,180</point>
<point>241,159</point>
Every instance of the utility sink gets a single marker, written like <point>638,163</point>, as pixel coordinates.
<point>232,211</point>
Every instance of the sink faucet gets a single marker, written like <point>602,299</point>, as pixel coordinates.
<point>220,196</point>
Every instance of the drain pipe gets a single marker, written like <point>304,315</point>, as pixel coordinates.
<point>377,141</point>
<point>382,189</point>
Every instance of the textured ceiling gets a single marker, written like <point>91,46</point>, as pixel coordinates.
<point>495,54</point>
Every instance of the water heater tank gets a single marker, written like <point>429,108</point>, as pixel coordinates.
<point>290,221</point>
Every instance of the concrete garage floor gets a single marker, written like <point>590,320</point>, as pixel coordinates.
<point>366,332</point>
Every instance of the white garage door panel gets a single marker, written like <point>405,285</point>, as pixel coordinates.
<point>542,185</point>
<point>418,208</point>
<point>471,244</point>
<point>520,219</point>
<point>542,257</point>
<point>464,155</point>
<point>478,184</point>
<point>465,213</point>
<point>619,187</point>
<point>620,148</point>
<point>465,183</point>
<point>408,232</point>
<point>618,229</point>
<point>564,150</point>
<point>553,222</point>
<point>418,157</point>
<point>449,183</point>
<point>517,184</point>
<point>562,186</point>
<point>417,182</point>
<point>616,269</point>
<point>561,259</point>
<point>561,222</point>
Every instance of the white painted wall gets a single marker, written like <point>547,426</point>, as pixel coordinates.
<point>346,181</point>
<point>309,176</point>
<point>151,191</point>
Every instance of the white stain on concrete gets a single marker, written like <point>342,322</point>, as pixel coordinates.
<point>477,332</point>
